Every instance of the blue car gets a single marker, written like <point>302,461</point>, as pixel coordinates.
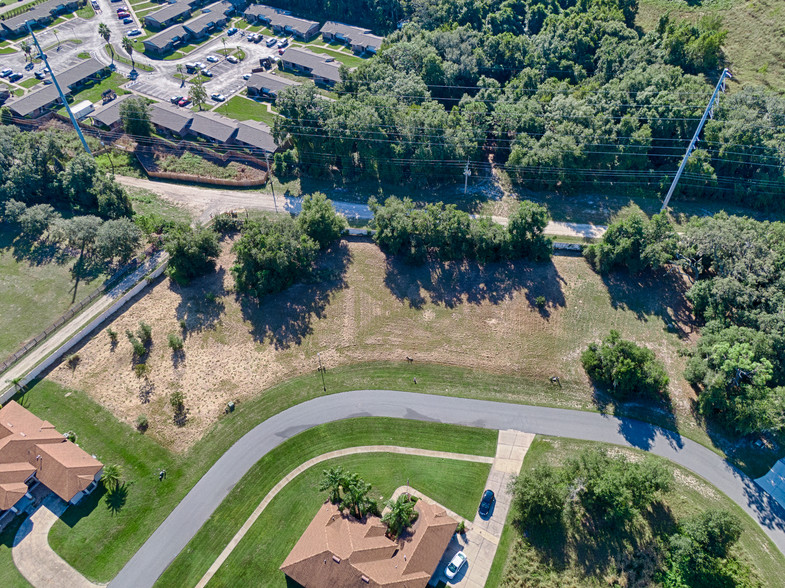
<point>486,504</point>
<point>128,20</point>
<point>231,31</point>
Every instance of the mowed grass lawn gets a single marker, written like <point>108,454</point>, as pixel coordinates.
<point>122,523</point>
<point>32,294</point>
<point>241,108</point>
<point>518,563</point>
<point>9,575</point>
<point>255,561</point>
<point>753,47</point>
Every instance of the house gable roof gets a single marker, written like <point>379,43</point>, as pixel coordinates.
<point>320,65</point>
<point>269,82</point>
<point>256,134</point>
<point>277,18</point>
<point>109,114</point>
<point>214,126</point>
<point>170,117</point>
<point>169,12</point>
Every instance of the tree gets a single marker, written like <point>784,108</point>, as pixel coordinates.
<point>112,477</point>
<point>526,226</point>
<point>6,116</point>
<point>118,238</point>
<point>625,369</point>
<point>192,252</point>
<point>128,46</point>
<point>198,92</point>
<point>540,495</point>
<point>333,479</point>
<point>400,514</point>
<point>271,255</point>
<point>319,220</point>
<point>105,33</point>
<point>180,72</point>
<point>13,211</point>
<point>27,49</point>
<point>356,496</point>
<point>80,232</point>
<point>37,219</point>
<point>135,114</point>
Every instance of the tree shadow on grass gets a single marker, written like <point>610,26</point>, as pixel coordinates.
<point>201,306</point>
<point>286,318</point>
<point>660,294</point>
<point>116,498</point>
<point>451,283</point>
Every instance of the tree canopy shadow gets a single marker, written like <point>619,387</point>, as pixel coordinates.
<point>451,283</point>
<point>285,319</point>
<point>116,498</point>
<point>654,294</point>
<point>201,306</point>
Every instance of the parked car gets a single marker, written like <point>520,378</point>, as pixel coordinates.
<point>175,99</point>
<point>272,41</point>
<point>486,504</point>
<point>246,76</point>
<point>15,77</point>
<point>218,97</point>
<point>231,31</point>
<point>40,74</point>
<point>212,58</point>
<point>6,72</point>
<point>128,20</point>
<point>201,65</point>
<point>258,38</point>
<point>455,565</point>
<point>184,102</point>
<point>122,15</point>
<point>281,51</point>
<point>207,73</point>
<point>283,42</point>
<point>190,67</point>
<point>122,9</point>
<point>134,32</point>
<point>232,59</point>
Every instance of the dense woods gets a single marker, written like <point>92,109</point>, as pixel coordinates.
<point>561,94</point>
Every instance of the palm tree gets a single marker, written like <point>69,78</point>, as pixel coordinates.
<point>198,93</point>
<point>105,33</point>
<point>112,476</point>
<point>25,46</point>
<point>128,45</point>
<point>223,39</point>
<point>179,68</point>
<point>400,514</point>
<point>356,496</point>
<point>332,481</point>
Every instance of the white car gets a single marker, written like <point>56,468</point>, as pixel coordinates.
<point>232,59</point>
<point>212,58</point>
<point>6,72</point>
<point>455,565</point>
<point>246,76</point>
<point>218,97</point>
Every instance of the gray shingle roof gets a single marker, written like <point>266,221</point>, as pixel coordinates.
<point>170,117</point>
<point>269,82</point>
<point>214,126</point>
<point>277,18</point>
<point>40,11</point>
<point>320,65</point>
<point>355,35</point>
<point>169,12</point>
<point>166,36</point>
<point>256,134</point>
<point>109,114</point>
<point>35,100</point>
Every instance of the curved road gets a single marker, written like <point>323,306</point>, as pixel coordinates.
<point>185,520</point>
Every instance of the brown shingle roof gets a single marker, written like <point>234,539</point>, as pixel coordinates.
<point>30,445</point>
<point>338,550</point>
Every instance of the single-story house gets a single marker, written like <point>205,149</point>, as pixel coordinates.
<point>168,15</point>
<point>213,127</point>
<point>171,120</point>
<point>40,15</point>
<point>338,550</point>
<point>36,103</point>
<point>166,40</point>
<point>213,16</point>
<point>31,450</point>
<point>281,22</point>
<point>268,85</point>
<point>255,135</point>
<point>359,39</point>
<point>322,68</point>
<point>108,116</point>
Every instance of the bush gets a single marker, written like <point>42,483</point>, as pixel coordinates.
<point>624,369</point>
<point>73,361</point>
<point>175,342</point>
<point>177,400</point>
<point>145,332</point>
<point>138,346</point>
<point>142,423</point>
<point>226,223</point>
<point>192,253</point>
<point>141,370</point>
<point>112,335</point>
<point>319,220</point>
<point>540,301</point>
<point>71,436</point>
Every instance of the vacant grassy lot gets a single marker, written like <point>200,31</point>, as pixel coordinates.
<point>146,202</point>
<point>449,482</point>
<point>241,108</point>
<point>35,288</point>
<point>518,563</point>
<point>365,309</point>
<point>753,47</point>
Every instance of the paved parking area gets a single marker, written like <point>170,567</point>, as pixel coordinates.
<point>481,539</point>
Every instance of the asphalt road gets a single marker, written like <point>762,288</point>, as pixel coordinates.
<point>186,519</point>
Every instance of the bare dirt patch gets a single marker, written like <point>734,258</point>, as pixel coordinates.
<point>364,308</point>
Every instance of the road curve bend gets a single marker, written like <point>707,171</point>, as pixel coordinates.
<point>186,519</point>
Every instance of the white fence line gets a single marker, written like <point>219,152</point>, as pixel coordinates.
<point>77,337</point>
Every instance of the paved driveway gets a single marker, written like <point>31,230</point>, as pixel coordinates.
<point>185,520</point>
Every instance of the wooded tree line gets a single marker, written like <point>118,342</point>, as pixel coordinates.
<point>738,269</point>
<point>560,93</point>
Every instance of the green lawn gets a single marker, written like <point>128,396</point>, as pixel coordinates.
<point>120,162</point>
<point>93,92</point>
<point>9,575</point>
<point>33,291</point>
<point>121,56</point>
<point>517,563</point>
<point>147,202</point>
<point>241,108</point>
<point>256,559</point>
<point>30,82</point>
<point>86,12</point>
<point>188,568</point>
<point>83,55</point>
<point>346,57</point>
<point>7,50</point>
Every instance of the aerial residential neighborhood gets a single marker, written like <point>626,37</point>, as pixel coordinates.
<point>396,294</point>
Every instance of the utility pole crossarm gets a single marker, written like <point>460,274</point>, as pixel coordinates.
<point>706,113</point>
<point>42,55</point>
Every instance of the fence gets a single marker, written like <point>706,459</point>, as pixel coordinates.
<point>77,337</point>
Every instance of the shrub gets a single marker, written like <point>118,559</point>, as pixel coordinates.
<point>73,361</point>
<point>461,528</point>
<point>624,369</point>
<point>175,342</point>
<point>141,370</point>
<point>191,252</point>
<point>183,324</point>
<point>138,346</point>
<point>145,332</point>
<point>112,335</point>
<point>142,423</point>
<point>226,223</point>
<point>540,301</point>
<point>177,400</point>
<point>71,436</point>
<point>319,220</point>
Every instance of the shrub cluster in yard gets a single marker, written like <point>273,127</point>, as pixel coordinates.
<point>190,163</point>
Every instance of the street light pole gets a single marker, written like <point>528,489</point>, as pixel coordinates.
<point>466,173</point>
<point>321,369</point>
<point>270,177</point>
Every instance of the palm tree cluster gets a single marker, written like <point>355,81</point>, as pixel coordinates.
<point>400,514</point>
<point>348,491</point>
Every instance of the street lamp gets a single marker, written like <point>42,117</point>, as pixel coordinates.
<point>321,369</point>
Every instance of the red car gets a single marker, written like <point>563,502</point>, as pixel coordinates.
<point>122,15</point>
<point>184,102</point>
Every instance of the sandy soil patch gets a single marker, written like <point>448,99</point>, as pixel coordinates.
<point>363,308</point>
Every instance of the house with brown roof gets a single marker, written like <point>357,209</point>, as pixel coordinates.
<point>337,550</point>
<point>31,450</point>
